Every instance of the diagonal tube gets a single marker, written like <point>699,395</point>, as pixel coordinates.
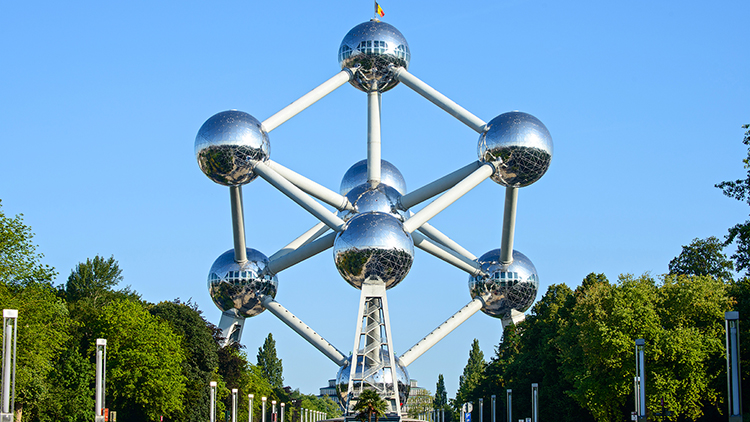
<point>440,332</point>
<point>300,254</point>
<point>304,330</point>
<point>437,187</point>
<point>440,100</point>
<point>439,237</point>
<point>297,195</point>
<point>307,100</point>
<point>315,232</point>
<point>449,197</point>
<point>446,254</point>
<point>321,192</point>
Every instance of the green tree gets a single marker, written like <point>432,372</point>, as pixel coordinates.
<point>269,363</point>
<point>144,362</point>
<point>43,327</point>
<point>201,355</point>
<point>93,278</point>
<point>703,257</point>
<point>19,261</point>
<point>71,395</point>
<point>740,233</point>
<point>471,378</point>
<point>370,404</point>
<point>441,395</point>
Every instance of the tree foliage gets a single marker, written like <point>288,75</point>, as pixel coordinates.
<point>740,233</point>
<point>269,363</point>
<point>19,261</point>
<point>93,278</point>
<point>703,257</point>
<point>370,404</point>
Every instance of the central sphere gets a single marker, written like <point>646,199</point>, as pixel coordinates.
<point>238,286</point>
<point>370,48</point>
<point>357,175</point>
<point>382,198</point>
<point>228,146</point>
<point>373,247</point>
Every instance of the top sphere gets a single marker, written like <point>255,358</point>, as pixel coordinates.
<point>370,48</point>
<point>519,146</point>
<point>229,145</point>
<point>357,175</point>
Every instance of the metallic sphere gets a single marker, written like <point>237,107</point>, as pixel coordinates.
<point>229,145</point>
<point>378,377</point>
<point>370,48</point>
<point>366,199</point>
<point>506,287</point>
<point>519,146</point>
<point>373,247</point>
<point>238,286</point>
<point>357,175</point>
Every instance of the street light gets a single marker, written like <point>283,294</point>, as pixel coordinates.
<point>734,385</point>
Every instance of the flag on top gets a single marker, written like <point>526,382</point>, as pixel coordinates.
<point>379,10</point>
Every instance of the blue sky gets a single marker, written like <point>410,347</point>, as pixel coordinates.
<point>101,102</point>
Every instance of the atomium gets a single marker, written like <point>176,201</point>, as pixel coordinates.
<point>238,286</point>
<point>504,287</point>
<point>376,222</point>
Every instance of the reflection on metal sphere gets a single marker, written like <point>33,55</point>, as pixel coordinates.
<point>506,287</point>
<point>229,145</point>
<point>370,48</point>
<point>519,146</point>
<point>379,376</point>
<point>238,286</point>
<point>382,198</point>
<point>357,175</point>
<point>373,247</point>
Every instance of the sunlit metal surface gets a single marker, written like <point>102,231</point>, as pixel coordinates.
<point>519,146</point>
<point>369,49</point>
<point>357,175</point>
<point>383,198</point>
<point>228,145</point>
<point>505,287</point>
<point>369,371</point>
<point>373,246</point>
<point>237,286</point>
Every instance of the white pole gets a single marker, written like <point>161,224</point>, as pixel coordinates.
<point>534,402</point>
<point>238,223</point>
<point>437,187</point>
<point>263,409</point>
<point>10,324</point>
<point>510,407</point>
<point>493,407</point>
<point>509,226</point>
<point>212,415</point>
<point>446,254</point>
<point>282,412</point>
<point>234,405</point>
<point>273,410</point>
<point>250,407</point>
<point>282,262</point>
<point>334,199</point>
<point>373,138</point>
<point>101,350</point>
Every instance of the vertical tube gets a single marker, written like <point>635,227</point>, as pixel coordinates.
<point>7,344</point>
<point>273,410</point>
<point>373,138</point>
<point>250,407</point>
<point>493,407</point>
<point>212,414</point>
<point>234,405</point>
<point>282,412</point>
<point>534,402</point>
<point>510,409</point>
<point>238,223</point>
<point>101,353</point>
<point>263,409</point>
<point>509,225</point>
<point>481,410</point>
<point>637,394</point>
<point>640,345</point>
<point>734,387</point>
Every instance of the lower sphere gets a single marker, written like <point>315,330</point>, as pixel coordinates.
<point>239,286</point>
<point>505,287</point>
<point>377,377</point>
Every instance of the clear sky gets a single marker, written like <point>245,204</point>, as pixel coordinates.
<point>101,102</point>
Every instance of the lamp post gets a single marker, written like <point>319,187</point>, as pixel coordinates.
<point>101,364</point>
<point>534,402</point>
<point>734,378</point>
<point>640,369</point>
<point>234,405</point>
<point>282,412</point>
<point>212,415</point>
<point>10,333</point>
<point>250,407</point>
<point>493,407</point>
<point>263,409</point>
<point>273,410</point>
<point>510,410</point>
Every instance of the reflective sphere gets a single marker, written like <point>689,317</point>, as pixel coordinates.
<point>377,377</point>
<point>237,286</point>
<point>373,247</point>
<point>229,145</point>
<point>519,146</point>
<point>382,198</point>
<point>506,287</point>
<point>357,175</point>
<point>370,48</point>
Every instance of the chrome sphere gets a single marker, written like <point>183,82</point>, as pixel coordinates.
<point>369,49</point>
<point>357,175</point>
<point>377,377</point>
<point>229,145</point>
<point>383,198</point>
<point>505,287</point>
<point>373,247</point>
<point>238,286</point>
<point>519,146</point>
